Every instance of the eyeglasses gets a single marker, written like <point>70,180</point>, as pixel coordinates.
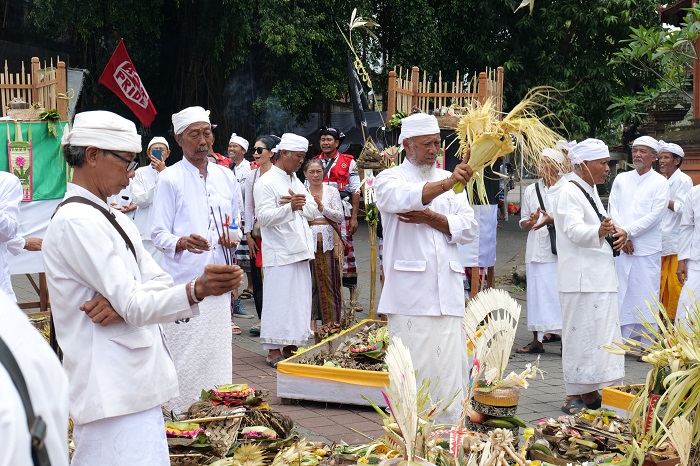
<point>130,164</point>
<point>258,150</point>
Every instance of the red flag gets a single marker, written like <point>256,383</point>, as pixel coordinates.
<point>120,77</point>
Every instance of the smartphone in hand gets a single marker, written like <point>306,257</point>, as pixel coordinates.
<point>157,153</point>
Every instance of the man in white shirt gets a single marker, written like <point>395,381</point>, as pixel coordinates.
<point>638,200</point>
<point>423,221</point>
<point>688,272</point>
<point>108,297</point>
<point>587,280</point>
<point>194,199</point>
<point>10,199</point>
<point>680,184</point>
<point>47,385</point>
<point>284,207</point>
<point>143,188</point>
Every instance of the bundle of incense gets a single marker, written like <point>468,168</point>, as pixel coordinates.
<point>222,231</point>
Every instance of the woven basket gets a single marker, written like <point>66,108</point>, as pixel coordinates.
<point>25,113</point>
<point>191,459</point>
<point>223,434</point>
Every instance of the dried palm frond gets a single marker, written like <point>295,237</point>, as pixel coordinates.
<point>481,130</point>
<point>680,434</point>
<point>402,393</point>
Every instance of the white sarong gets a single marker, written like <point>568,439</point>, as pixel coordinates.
<point>639,279</point>
<point>589,322</point>
<point>286,315</point>
<point>201,350</point>
<point>543,309</point>
<point>439,352</point>
<point>690,296</point>
<point>136,439</point>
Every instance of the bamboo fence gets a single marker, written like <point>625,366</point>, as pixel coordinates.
<point>45,86</point>
<point>407,91</point>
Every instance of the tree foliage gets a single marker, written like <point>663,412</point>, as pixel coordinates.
<point>255,62</point>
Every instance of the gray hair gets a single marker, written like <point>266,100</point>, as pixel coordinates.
<point>74,155</point>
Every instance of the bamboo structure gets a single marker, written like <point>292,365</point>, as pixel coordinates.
<point>408,91</point>
<point>45,86</point>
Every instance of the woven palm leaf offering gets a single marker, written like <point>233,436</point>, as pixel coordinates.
<point>664,418</point>
<point>489,137</point>
<point>490,322</point>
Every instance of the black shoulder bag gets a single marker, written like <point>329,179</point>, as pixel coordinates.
<point>608,238</point>
<point>36,425</point>
<point>550,228</point>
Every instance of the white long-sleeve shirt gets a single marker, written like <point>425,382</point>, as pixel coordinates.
<point>680,185</point>
<point>125,367</point>
<point>585,260</point>
<point>637,204</point>
<point>10,199</point>
<point>423,275</point>
<point>143,189</point>
<point>249,209</point>
<point>689,231</point>
<point>182,205</point>
<point>333,212</point>
<point>539,248</point>
<point>286,235</point>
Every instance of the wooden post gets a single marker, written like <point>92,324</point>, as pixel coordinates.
<point>43,293</point>
<point>61,89</point>
<point>391,95</point>
<point>36,94</point>
<point>482,87</point>
<point>414,87</point>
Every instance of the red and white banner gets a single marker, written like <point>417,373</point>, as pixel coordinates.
<point>120,77</point>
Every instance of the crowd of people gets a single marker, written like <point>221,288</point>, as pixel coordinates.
<point>144,267</point>
<point>597,276</point>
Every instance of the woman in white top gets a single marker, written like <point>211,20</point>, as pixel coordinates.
<point>325,269</point>
<point>263,155</point>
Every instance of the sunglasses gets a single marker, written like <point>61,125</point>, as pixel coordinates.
<point>130,164</point>
<point>258,150</point>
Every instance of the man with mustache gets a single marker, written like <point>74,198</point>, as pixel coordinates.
<point>191,237</point>
<point>637,203</point>
<point>680,185</point>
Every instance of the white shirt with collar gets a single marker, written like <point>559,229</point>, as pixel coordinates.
<point>539,248</point>
<point>689,231</point>
<point>423,275</point>
<point>143,189</point>
<point>125,367</point>
<point>585,260</point>
<point>182,205</point>
<point>10,199</point>
<point>637,204</point>
<point>286,235</point>
<point>680,185</point>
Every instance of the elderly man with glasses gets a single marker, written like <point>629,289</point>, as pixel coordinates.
<point>108,299</point>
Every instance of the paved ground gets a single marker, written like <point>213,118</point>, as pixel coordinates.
<point>336,423</point>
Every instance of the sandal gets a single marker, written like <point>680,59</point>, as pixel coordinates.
<point>255,330</point>
<point>273,362</point>
<point>235,329</point>
<point>530,348</point>
<point>246,294</point>
<point>573,407</point>
<point>551,338</point>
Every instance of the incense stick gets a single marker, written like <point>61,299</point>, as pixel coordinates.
<point>218,233</point>
<point>224,232</point>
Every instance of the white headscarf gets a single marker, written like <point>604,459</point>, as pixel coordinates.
<point>158,140</point>
<point>419,124</point>
<point>104,130</point>
<point>186,117</point>
<point>239,140</point>
<point>553,154</point>
<point>671,147</point>
<point>292,142</point>
<point>589,150</point>
<point>647,141</point>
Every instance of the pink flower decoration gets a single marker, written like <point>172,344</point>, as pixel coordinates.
<point>20,161</point>
<point>369,182</point>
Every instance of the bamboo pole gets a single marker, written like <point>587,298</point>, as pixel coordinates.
<point>414,87</point>
<point>391,94</point>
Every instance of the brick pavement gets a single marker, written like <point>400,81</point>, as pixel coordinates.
<point>334,423</point>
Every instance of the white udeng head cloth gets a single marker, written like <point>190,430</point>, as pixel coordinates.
<point>647,141</point>
<point>104,130</point>
<point>671,147</point>
<point>184,118</point>
<point>589,150</point>
<point>553,154</point>
<point>419,124</point>
<point>159,140</point>
<point>239,140</point>
<point>293,143</point>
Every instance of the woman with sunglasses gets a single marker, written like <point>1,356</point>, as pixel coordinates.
<point>263,155</point>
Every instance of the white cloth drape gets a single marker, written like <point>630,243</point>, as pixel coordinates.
<point>543,309</point>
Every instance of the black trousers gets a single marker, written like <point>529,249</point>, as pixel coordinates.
<point>256,273</point>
